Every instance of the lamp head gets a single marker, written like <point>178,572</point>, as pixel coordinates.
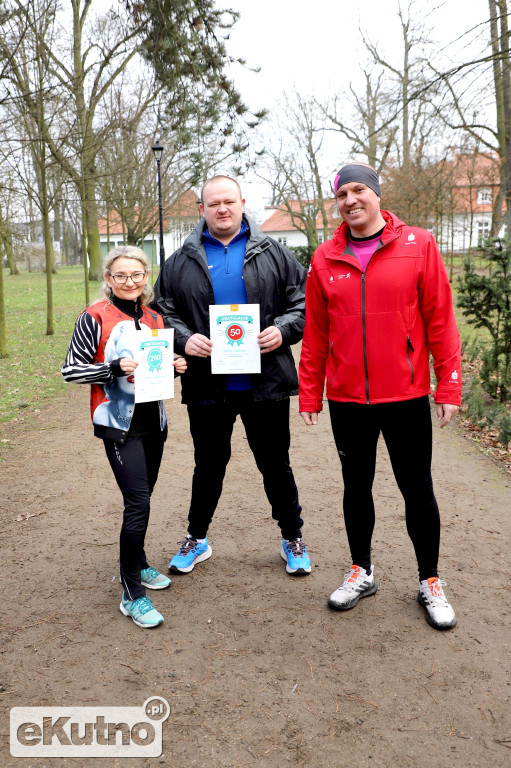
<point>158,150</point>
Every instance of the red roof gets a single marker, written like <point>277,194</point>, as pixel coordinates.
<point>184,207</point>
<point>281,220</point>
<point>470,174</point>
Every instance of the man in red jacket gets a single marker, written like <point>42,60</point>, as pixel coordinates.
<point>378,301</point>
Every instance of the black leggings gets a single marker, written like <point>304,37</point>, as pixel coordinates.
<point>407,431</point>
<point>135,465</point>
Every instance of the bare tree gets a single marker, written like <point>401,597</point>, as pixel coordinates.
<point>365,119</point>
<point>384,120</point>
<point>499,31</point>
<point>7,193</point>
<point>407,78</point>
<point>294,169</point>
<point>3,329</point>
<point>27,74</point>
<point>462,109</point>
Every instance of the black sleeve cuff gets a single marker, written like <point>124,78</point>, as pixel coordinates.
<point>115,367</point>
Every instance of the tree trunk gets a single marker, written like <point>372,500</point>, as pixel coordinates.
<point>57,227</point>
<point>91,224</point>
<point>84,244</point>
<point>7,243</point>
<point>405,98</point>
<point>496,213</point>
<point>65,242</point>
<point>3,331</point>
<point>48,248</point>
<point>502,80</point>
<point>506,79</point>
<point>108,229</point>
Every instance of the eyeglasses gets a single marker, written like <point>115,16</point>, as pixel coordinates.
<point>120,279</point>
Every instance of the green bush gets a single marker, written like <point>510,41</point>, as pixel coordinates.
<point>476,405</point>
<point>504,424</point>
<point>485,299</point>
<point>471,346</point>
<point>303,254</point>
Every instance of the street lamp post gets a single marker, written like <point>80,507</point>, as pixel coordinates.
<point>158,152</point>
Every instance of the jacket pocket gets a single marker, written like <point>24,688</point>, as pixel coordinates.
<point>409,348</point>
<point>390,362</point>
<point>331,365</point>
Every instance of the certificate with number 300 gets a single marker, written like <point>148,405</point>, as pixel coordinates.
<point>234,329</point>
<point>154,376</point>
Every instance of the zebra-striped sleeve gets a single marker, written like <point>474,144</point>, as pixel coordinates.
<point>79,366</point>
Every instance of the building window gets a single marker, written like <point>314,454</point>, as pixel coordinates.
<point>320,238</point>
<point>282,240</point>
<point>484,196</point>
<point>483,232</point>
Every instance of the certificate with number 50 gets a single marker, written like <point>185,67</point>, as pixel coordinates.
<point>234,329</point>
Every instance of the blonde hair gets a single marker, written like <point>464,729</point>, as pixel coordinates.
<point>127,252</point>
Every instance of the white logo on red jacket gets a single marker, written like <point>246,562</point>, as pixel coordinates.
<point>454,375</point>
<point>346,275</point>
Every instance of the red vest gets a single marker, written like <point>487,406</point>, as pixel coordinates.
<point>108,315</point>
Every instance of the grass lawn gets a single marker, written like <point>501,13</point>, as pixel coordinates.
<point>472,338</point>
<point>30,375</point>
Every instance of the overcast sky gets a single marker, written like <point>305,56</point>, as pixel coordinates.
<point>315,46</point>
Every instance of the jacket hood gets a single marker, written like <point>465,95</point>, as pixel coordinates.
<point>393,227</point>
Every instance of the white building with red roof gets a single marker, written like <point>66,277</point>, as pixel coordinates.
<point>474,184</point>
<point>284,223</point>
<point>179,219</point>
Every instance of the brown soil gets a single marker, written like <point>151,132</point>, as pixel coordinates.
<point>257,669</point>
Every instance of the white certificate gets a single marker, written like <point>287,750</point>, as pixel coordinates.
<point>154,375</point>
<point>234,329</point>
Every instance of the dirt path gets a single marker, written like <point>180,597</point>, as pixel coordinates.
<point>257,669</point>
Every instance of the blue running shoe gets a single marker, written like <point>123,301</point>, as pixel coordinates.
<point>295,554</point>
<point>154,580</point>
<point>190,552</point>
<point>142,611</point>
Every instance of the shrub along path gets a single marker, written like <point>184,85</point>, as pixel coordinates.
<point>257,669</point>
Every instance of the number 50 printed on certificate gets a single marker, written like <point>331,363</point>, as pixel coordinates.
<point>234,329</point>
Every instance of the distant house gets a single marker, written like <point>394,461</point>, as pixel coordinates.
<point>28,245</point>
<point>472,188</point>
<point>474,181</point>
<point>179,220</point>
<point>281,227</point>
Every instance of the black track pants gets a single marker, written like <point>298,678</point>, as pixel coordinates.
<point>407,431</point>
<point>135,465</point>
<point>267,428</point>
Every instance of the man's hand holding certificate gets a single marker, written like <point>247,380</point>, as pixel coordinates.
<point>234,330</point>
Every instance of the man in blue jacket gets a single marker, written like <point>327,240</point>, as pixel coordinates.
<point>228,260</point>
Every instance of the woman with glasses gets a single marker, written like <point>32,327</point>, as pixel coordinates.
<point>101,354</point>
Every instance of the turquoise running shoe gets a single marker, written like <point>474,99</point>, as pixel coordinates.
<point>295,554</point>
<point>190,552</point>
<point>142,611</point>
<point>154,580</point>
